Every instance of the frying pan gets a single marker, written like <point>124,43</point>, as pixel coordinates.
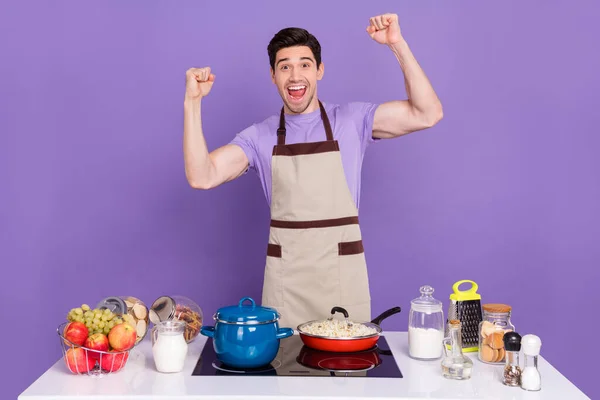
<point>345,344</point>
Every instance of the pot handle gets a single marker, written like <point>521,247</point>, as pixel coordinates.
<point>340,309</point>
<point>377,320</point>
<point>282,333</point>
<point>247,298</point>
<point>208,331</point>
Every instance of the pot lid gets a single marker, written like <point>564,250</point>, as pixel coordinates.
<point>426,302</point>
<point>247,313</point>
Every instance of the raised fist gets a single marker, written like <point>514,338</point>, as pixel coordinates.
<point>385,29</point>
<point>198,82</point>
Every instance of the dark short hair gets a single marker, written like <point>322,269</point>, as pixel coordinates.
<point>289,37</point>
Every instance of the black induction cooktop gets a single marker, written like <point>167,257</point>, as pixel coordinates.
<point>296,359</point>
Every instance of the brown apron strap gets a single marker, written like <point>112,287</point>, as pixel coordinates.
<point>324,117</point>
<point>281,130</point>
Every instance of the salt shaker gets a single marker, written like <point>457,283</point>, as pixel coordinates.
<point>512,370</point>
<point>530,377</point>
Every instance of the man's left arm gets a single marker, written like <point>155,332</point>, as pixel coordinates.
<point>423,108</point>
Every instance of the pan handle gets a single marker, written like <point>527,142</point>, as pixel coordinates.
<point>377,320</point>
<point>340,309</point>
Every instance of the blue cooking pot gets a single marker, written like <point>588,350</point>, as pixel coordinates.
<point>246,336</point>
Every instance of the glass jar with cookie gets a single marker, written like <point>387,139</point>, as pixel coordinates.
<point>496,322</point>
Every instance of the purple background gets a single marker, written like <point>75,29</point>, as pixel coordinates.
<point>94,201</point>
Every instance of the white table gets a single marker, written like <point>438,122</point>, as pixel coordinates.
<point>422,380</point>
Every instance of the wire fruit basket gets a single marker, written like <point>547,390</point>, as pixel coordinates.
<point>81,360</point>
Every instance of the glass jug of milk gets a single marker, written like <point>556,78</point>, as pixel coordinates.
<point>169,347</point>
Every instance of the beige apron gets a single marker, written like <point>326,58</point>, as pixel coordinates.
<point>315,256</point>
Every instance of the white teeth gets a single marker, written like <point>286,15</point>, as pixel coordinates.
<point>296,87</point>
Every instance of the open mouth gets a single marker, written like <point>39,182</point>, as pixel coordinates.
<point>296,92</point>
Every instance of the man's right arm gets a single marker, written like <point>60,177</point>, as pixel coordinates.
<point>204,169</point>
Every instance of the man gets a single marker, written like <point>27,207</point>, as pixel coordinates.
<point>308,158</point>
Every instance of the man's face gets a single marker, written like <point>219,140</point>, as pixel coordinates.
<point>296,76</point>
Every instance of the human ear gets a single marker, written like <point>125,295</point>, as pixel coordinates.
<point>320,71</point>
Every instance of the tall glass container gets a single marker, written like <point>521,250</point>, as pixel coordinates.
<point>425,326</point>
<point>455,364</point>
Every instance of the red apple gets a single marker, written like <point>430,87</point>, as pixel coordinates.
<point>113,362</point>
<point>77,362</point>
<point>76,332</point>
<point>122,337</point>
<point>97,341</point>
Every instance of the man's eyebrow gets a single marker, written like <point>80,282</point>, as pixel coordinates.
<point>302,58</point>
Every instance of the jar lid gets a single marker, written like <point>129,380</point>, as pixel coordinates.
<point>497,308</point>
<point>163,309</point>
<point>115,304</point>
<point>244,314</point>
<point>531,345</point>
<point>512,341</point>
<point>426,303</point>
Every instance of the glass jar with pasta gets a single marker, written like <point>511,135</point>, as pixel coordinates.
<point>181,308</point>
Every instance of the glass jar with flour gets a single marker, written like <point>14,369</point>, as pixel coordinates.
<point>425,326</point>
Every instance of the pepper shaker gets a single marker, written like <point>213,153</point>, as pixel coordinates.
<point>512,370</point>
<point>531,379</point>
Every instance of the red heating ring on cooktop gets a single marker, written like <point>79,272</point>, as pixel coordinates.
<point>346,363</point>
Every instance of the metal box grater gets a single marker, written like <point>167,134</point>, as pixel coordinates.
<point>465,306</point>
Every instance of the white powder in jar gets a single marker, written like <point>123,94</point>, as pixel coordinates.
<point>530,379</point>
<point>425,343</point>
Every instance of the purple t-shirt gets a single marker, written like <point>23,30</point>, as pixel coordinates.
<point>352,126</point>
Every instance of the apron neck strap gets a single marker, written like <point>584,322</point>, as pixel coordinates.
<point>281,130</point>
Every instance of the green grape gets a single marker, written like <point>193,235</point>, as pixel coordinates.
<point>80,319</point>
<point>78,311</point>
<point>102,324</point>
<point>104,317</point>
<point>88,314</point>
<point>110,316</point>
<point>106,311</point>
<point>111,324</point>
<point>106,330</point>
<point>85,307</point>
